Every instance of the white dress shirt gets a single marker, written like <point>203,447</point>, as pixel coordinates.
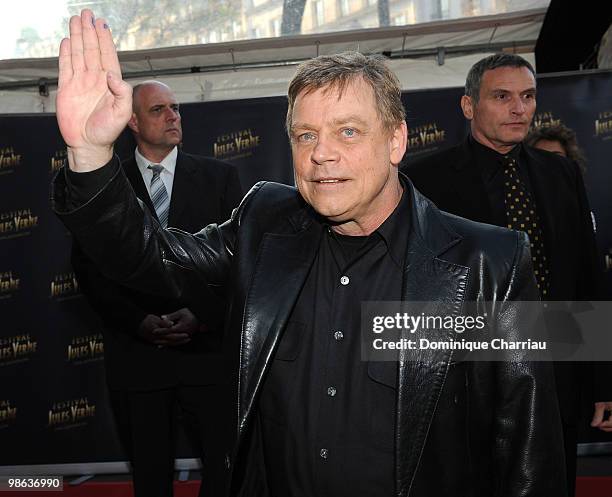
<point>167,175</point>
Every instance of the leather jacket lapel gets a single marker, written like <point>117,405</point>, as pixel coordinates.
<point>181,188</point>
<point>441,286</point>
<point>282,264</point>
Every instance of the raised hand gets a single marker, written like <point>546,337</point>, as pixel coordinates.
<point>93,103</point>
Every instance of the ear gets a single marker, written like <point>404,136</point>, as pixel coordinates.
<point>133,123</point>
<point>467,106</point>
<point>397,143</point>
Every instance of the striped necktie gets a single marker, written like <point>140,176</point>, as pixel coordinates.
<point>159,195</point>
<point>522,216</point>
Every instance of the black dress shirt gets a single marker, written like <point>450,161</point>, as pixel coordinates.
<point>328,417</point>
<point>491,166</point>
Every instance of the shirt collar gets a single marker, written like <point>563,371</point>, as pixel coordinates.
<point>394,230</point>
<point>490,160</point>
<point>169,162</point>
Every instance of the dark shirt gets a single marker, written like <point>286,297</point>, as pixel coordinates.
<point>327,416</point>
<point>490,164</point>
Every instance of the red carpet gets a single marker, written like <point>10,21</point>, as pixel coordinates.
<point>587,486</point>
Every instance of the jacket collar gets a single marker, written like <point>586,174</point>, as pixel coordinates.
<point>183,183</point>
<point>438,287</point>
<point>426,223</point>
<point>429,231</point>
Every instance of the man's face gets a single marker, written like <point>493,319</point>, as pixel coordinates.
<point>345,161</point>
<point>156,120</point>
<point>503,113</point>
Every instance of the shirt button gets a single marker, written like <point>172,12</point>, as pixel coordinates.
<point>323,453</point>
<point>338,335</point>
<point>344,280</point>
<point>331,391</point>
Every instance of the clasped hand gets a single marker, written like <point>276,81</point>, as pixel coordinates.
<point>169,330</point>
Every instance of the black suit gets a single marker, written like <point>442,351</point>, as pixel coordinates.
<point>452,179</point>
<point>143,378</point>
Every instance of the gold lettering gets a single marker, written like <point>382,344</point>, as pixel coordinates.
<point>8,413</point>
<point>602,127</point>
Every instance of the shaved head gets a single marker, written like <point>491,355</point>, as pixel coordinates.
<point>136,98</point>
<point>156,120</point>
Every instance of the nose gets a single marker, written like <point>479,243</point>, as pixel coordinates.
<point>324,151</point>
<point>518,106</point>
<point>172,114</point>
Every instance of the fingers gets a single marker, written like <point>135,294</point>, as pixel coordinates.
<point>65,63</point>
<point>91,47</point>
<point>606,426</point>
<point>599,414</point>
<point>108,52</point>
<point>122,91</point>
<point>167,323</point>
<point>175,316</point>
<point>76,44</point>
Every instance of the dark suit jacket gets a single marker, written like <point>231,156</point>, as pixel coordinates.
<point>453,181</point>
<point>462,428</point>
<point>204,191</point>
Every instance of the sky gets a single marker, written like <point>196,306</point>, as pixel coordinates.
<point>43,15</point>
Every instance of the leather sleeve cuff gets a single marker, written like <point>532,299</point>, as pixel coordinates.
<point>71,190</point>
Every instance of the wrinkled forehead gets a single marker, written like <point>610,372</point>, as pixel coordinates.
<point>352,96</point>
<point>508,77</point>
<point>339,87</point>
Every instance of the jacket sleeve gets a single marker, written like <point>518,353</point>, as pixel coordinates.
<point>129,246</point>
<point>528,448</point>
<point>591,284</point>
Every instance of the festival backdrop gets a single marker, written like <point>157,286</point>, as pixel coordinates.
<point>53,399</point>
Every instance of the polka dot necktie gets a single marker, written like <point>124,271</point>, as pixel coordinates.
<point>521,215</point>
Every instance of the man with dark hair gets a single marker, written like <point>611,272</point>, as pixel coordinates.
<point>492,177</point>
<point>310,417</point>
<point>158,362</point>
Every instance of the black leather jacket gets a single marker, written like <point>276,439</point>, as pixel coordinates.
<point>462,428</point>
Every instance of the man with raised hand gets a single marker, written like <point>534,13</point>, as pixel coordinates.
<point>309,416</point>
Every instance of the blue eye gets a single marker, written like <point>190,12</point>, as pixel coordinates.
<point>348,132</point>
<point>306,137</point>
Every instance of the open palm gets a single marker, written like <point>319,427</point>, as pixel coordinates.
<point>93,103</point>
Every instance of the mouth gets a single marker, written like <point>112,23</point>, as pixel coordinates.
<point>329,181</point>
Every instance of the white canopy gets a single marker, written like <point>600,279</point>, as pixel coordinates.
<point>428,55</point>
